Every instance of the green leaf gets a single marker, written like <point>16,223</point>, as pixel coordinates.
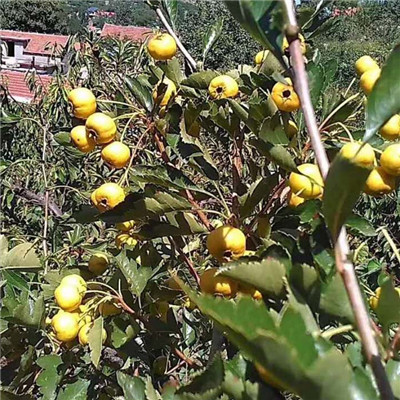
<point>95,337</point>
<point>384,101</point>
<point>207,383</point>
<point>258,191</point>
<point>122,331</point>
<point>200,80</point>
<point>172,70</point>
<point>63,139</point>
<point>316,79</point>
<point>393,373</point>
<point>132,386</point>
<point>15,279</point>
<point>265,275</point>
<point>141,93</point>
<point>141,206</point>
<point>211,36</point>
<point>3,246</point>
<point>76,390</point>
<point>388,310</point>
<point>22,256</point>
<point>171,7</point>
<point>28,311</point>
<point>360,225</point>
<point>262,19</point>
<point>50,376</point>
<point>362,387</point>
<point>272,131</point>
<point>343,185</point>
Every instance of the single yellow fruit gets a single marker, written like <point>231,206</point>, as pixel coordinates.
<point>285,44</point>
<point>364,64</point>
<point>98,264</point>
<point>261,56</point>
<point>291,129</point>
<point>294,200</point>
<point>116,155</point>
<point>162,46</point>
<point>125,226</point>
<point>75,280</point>
<point>222,87</point>
<point>368,80</point>
<point>109,309</point>
<point>390,160</point>
<point>250,291</point>
<point>164,97</point>
<point>268,377</point>
<point>124,239</point>
<point>391,130</point>
<point>101,128</point>
<point>82,140</point>
<point>65,326</point>
<point>285,97</point>
<point>83,102</point>
<point>374,299</point>
<point>359,153</point>
<point>107,196</point>
<point>309,184</point>
<point>379,182</point>
<point>193,130</point>
<point>221,285</point>
<point>67,297</point>
<point>83,336</point>
<point>226,243</point>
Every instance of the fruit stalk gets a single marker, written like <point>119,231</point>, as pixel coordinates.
<point>343,263</point>
<point>182,48</point>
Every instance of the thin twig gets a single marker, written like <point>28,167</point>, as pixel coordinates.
<point>182,48</point>
<point>343,263</point>
<point>237,166</point>
<point>46,201</point>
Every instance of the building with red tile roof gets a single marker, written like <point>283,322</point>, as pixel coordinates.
<point>135,33</point>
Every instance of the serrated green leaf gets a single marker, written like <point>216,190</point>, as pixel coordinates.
<point>27,311</point>
<point>141,93</point>
<point>122,331</point>
<point>265,275</point>
<point>21,256</point>
<point>63,139</point>
<point>50,376</point>
<point>76,390</point>
<point>384,101</point>
<point>95,337</point>
<point>171,7</point>
<point>211,36</point>
<point>388,310</point>
<point>362,387</point>
<point>272,131</point>
<point>316,81</point>
<point>200,80</point>
<point>359,225</point>
<point>343,185</point>
<point>172,70</point>
<point>132,386</point>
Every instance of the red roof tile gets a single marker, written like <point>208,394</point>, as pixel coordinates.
<point>37,43</point>
<point>15,81</point>
<point>135,33</point>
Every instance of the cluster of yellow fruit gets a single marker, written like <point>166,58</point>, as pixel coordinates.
<point>74,318</point>
<point>126,234</point>
<point>225,243</point>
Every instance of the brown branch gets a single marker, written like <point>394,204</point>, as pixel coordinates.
<point>187,360</point>
<point>343,263</point>
<point>237,167</point>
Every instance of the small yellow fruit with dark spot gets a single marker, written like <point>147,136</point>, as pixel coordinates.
<point>307,184</point>
<point>65,326</point>
<point>359,153</point>
<point>368,80</point>
<point>82,140</point>
<point>68,297</point>
<point>391,130</point>
<point>222,87</point>
<point>364,64</point>
<point>107,196</point>
<point>101,128</point>
<point>98,264</point>
<point>285,97</point>
<point>226,243</point>
<point>116,155</point>
<point>379,182</point>
<point>83,102</point>
<point>220,285</point>
<point>390,160</point>
<point>162,46</point>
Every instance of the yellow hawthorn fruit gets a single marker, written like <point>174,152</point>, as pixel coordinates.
<point>124,239</point>
<point>226,242</point>
<point>250,291</point>
<point>362,155</point>
<point>109,309</point>
<point>170,92</point>
<point>162,46</point>
<point>98,264</point>
<point>368,80</point>
<point>83,102</point>
<point>125,226</point>
<point>391,130</point>
<point>67,297</point>
<point>107,196</point>
<point>364,64</point>
<point>101,128</point>
<point>65,326</point>
<point>82,140</point>
<point>263,227</point>
<point>222,87</point>
<point>307,184</point>
<point>284,97</point>
<point>374,299</point>
<point>268,377</point>
<point>291,129</point>
<point>379,182</point>
<point>83,335</point>
<point>390,160</point>
<point>285,44</point>
<point>75,280</point>
<point>194,129</point>
<point>261,56</point>
<point>212,284</point>
<point>116,155</point>
<point>294,200</point>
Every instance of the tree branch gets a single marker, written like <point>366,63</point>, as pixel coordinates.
<point>343,263</point>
